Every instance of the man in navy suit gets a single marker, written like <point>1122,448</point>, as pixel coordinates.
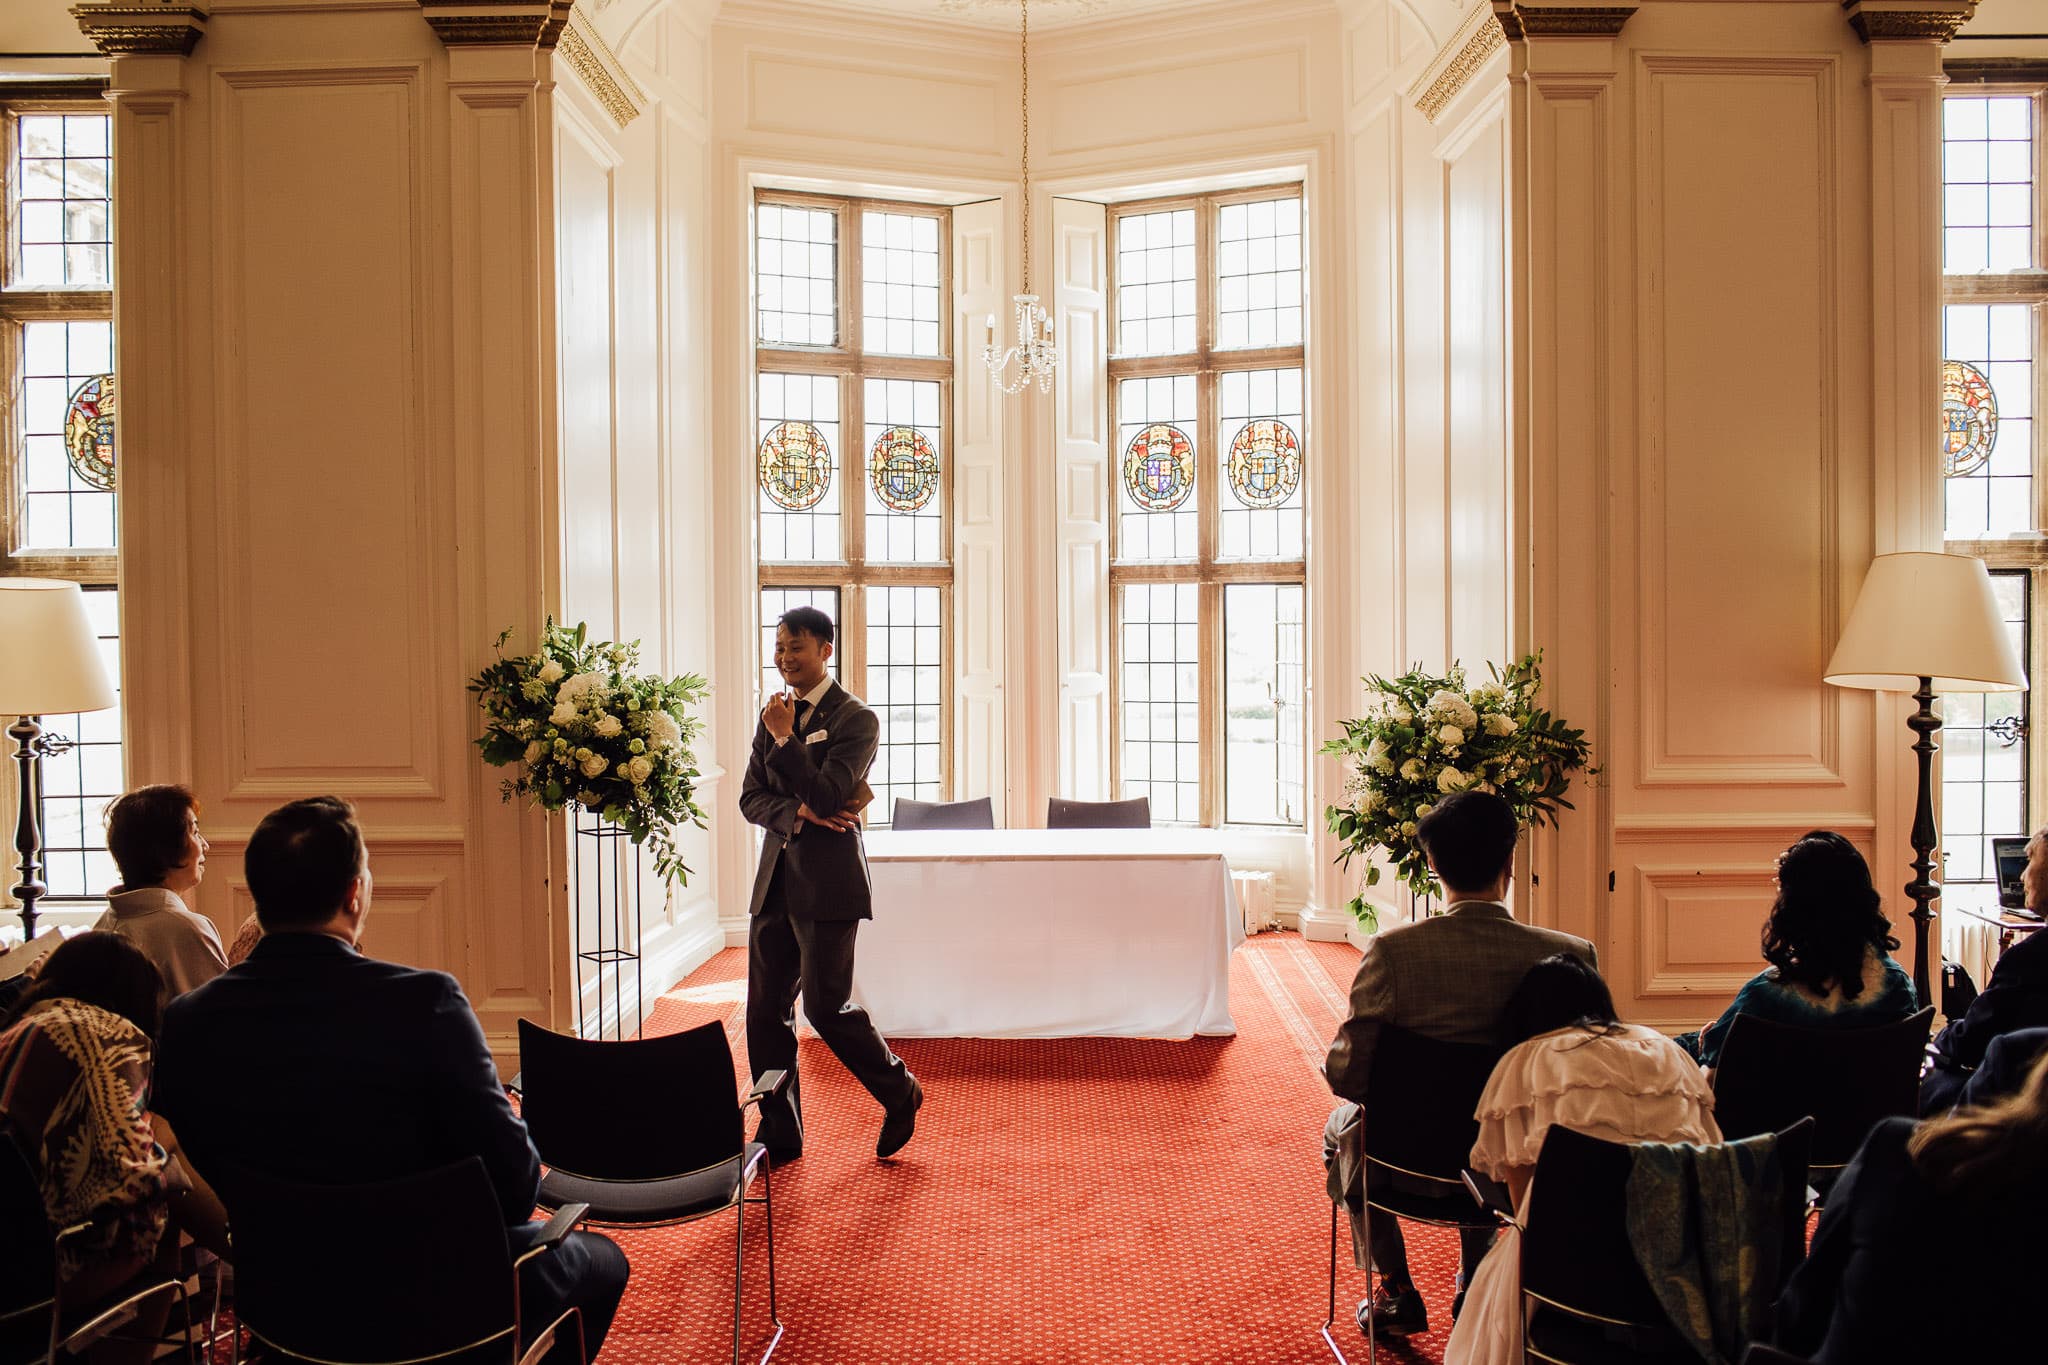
<point>313,1063</point>
<point>809,765</point>
<point>2015,998</point>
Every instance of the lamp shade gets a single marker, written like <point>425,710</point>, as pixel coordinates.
<point>50,663</point>
<point>1924,615</point>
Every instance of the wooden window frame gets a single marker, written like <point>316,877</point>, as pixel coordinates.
<point>852,573</point>
<point>1976,80</point>
<point>1210,573</point>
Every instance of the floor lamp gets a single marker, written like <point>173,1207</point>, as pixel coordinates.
<point>51,666</point>
<point>1926,624</point>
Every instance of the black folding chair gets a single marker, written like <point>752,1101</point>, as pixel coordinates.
<point>647,1133</point>
<point>1771,1075</point>
<point>1588,1300</point>
<point>407,1270</point>
<point>37,1319</point>
<point>979,813</point>
<point>1135,813</point>
<point>1418,1131</point>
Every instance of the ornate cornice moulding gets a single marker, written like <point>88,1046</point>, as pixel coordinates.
<point>587,54</point>
<point>1454,65</point>
<point>511,23</point>
<point>1523,19</point>
<point>136,30</point>
<point>1880,21</point>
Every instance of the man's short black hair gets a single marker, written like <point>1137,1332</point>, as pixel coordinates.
<point>1470,839</point>
<point>807,621</point>
<point>301,861</point>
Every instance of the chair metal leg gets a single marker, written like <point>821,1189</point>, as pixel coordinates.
<point>1330,1317</point>
<point>768,1209</point>
<point>739,1260</point>
<point>1372,1269</point>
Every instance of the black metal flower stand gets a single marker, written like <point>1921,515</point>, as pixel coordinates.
<point>604,868</point>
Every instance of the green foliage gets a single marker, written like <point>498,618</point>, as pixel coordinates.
<point>583,728</point>
<point>1427,736</point>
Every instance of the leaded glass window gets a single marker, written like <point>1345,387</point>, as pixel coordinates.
<point>852,459</point>
<point>1995,308</point>
<point>59,456</point>
<point>1211,472</point>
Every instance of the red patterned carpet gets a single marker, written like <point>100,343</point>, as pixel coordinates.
<point>1065,1201</point>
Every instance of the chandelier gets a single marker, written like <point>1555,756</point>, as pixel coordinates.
<point>1036,353</point>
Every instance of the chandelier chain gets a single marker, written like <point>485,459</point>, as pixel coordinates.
<point>1024,106</point>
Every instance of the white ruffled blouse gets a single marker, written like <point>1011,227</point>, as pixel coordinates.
<point>1633,1085</point>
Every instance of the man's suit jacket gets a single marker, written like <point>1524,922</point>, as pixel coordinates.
<point>2015,998</point>
<point>1446,978</point>
<point>824,871</point>
<point>311,1062</point>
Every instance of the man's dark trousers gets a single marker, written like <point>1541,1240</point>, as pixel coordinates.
<point>786,954</point>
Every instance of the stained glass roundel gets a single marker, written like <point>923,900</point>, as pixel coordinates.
<point>1969,417</point>
<point>904,469</point>
<point>1159,467</point>
<point>89,431</point>
<point>1265,463</point>
<point>796,466</point>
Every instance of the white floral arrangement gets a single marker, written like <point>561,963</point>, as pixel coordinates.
<point>585,728</point>
<point>1428,736</point>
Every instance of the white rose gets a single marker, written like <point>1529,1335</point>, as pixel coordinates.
<point>1412,769</point>
<point>1491,692</point>
<point>662,731</point>
<point>1400,714</point>
<point>1375,751</point>
<point>639,770</point>
<point>608,725</point>
<point>563,714</point>
<point>1450,736</point>
<point>1500,725</point>
<point>1451,780</point>
<point>550,672</point>
<point>535,752</point>
<point>1375,800</point>
<point>595,765</point>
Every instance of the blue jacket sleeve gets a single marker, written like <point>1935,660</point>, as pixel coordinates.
<point>475,1116</point>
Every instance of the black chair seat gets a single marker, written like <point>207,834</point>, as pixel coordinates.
<point>670,1199</point>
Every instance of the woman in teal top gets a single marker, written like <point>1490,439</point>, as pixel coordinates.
<point>1829,946</point>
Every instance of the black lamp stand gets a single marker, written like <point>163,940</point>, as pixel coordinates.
<point>27,733</point>
<point>1923,889</point>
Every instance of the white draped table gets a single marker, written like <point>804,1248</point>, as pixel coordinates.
<point>1034,933</point>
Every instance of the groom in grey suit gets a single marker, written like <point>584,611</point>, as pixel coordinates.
<point>1447,977</point>
<point>804,787</point>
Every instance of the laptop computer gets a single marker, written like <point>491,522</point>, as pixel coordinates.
<point>2009,854</point>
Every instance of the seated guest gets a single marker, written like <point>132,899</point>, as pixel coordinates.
<point>1829,946</point>
<point>2016,997</point>
<point>1945,1214</point>
<point>1573,1064</point>
<point>312,1062</point>
<point>74,1074</point>
<point>2007,1063</point>
<point>153,833</point>
<point>1447,978</point>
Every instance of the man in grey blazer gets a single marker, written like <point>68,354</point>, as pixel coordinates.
<point>1447,978</point>
<point>808,768</point>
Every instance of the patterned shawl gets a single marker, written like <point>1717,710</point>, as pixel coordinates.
<point>73,1082</point>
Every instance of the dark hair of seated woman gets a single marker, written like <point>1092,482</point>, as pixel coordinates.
<point>99,969</point>
<point>1827,916</point>
<point>1561,991</point>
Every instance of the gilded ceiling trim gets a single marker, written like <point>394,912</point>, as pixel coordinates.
<point>1522,19</point>
<point>515,23</point>
<point>587,54</point>
<point>1454,65</point>
<point>132,30</point>
<point>1879,21</point>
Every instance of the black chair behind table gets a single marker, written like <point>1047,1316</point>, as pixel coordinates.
<point>1771,1075</point>
<point>37,1322</point>
<point>413,1269</point>
<point>648,1132</point>
<point>1588,1300</point>
<point>1135,813</point>
<point>979,813</point>
<point>1958,991</point>
<point>1419,1129</point>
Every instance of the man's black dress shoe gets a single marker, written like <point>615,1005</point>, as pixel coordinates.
<point>1396,1315</point>
<point>899,1123</point>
